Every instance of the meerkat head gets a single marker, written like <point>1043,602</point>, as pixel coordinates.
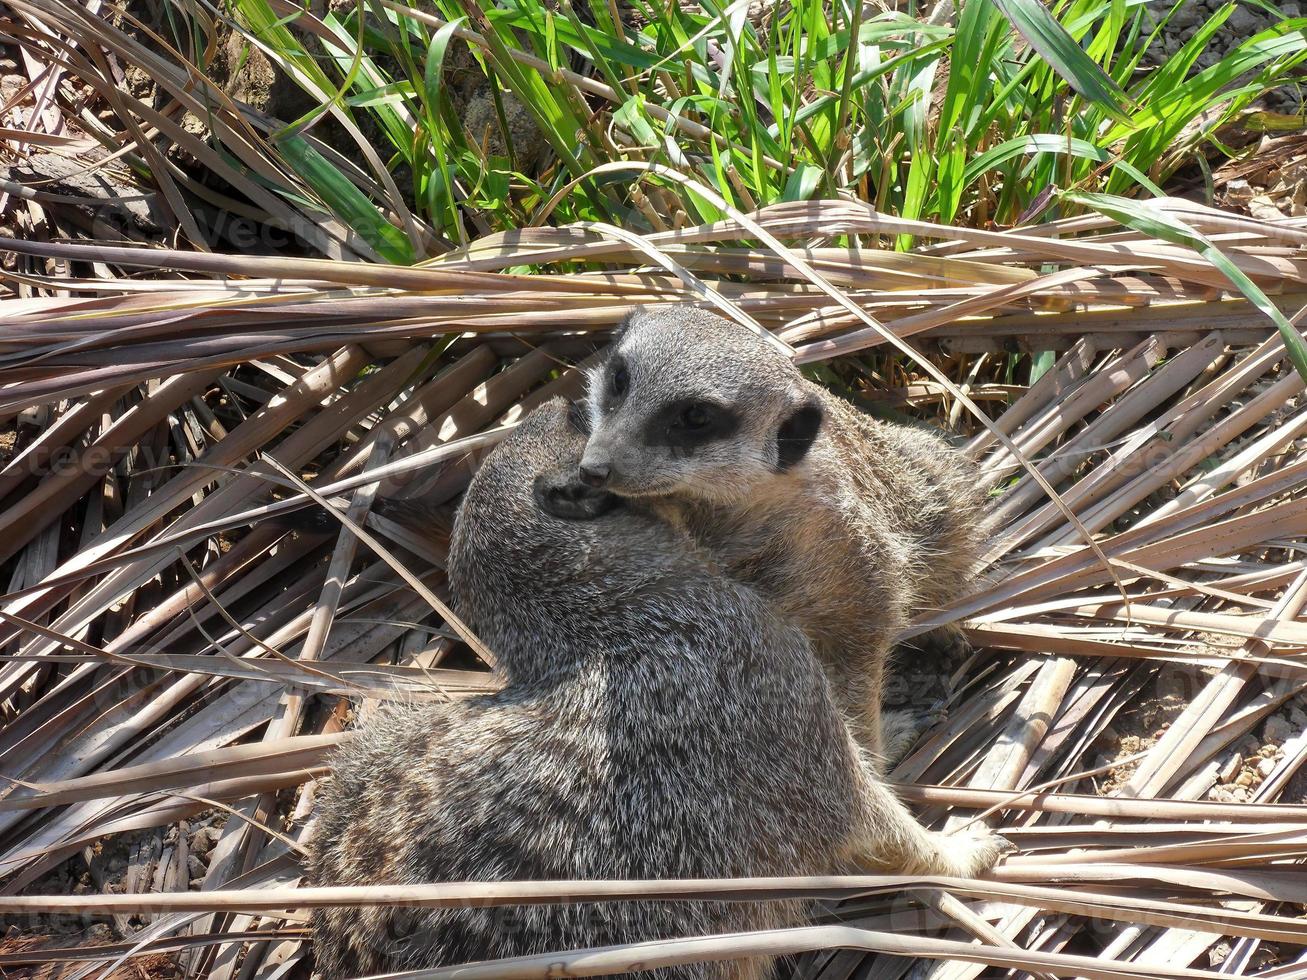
<point>690,404</point>
<point>531,477</point>
<point>556,489</point>
<point>528,526</point>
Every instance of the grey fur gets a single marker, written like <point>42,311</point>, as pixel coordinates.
<point>871,524</point>
<point>660,721</point>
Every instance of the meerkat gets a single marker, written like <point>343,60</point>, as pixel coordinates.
<point>659,721</point>
<point>848,524</point>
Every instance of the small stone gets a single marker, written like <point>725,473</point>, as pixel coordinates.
<point>1266,767</point>
<point>1264,208</point>
<point>1268,751</point>
<point>1243,21</point>
<point>1239,190</point>
<point>1241,794</point>
<point>202,840</point>
<point>1220,794</point>
<point>1218,953</point>
<point>1231,768</point>
<point>1244,778</point>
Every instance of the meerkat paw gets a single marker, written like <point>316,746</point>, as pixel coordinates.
<point>898,731</point>
<point>975,853</point>
<point>937,713</point>
<point>965,855</point>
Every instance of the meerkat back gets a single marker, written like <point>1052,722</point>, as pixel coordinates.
<point>658,722</point>
<point>932,491</point>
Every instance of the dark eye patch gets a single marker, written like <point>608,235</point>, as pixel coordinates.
<point>690,422</point>
<point>619,379</point>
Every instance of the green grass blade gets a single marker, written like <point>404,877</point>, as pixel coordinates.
<point>1146,218</point>
<point>433,86</point>
<point>1035,143</point>
<point>1050,39</point>
<point>346,201</point>
<point>803,181</point>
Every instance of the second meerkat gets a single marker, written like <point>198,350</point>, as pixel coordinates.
<point>849,524</point>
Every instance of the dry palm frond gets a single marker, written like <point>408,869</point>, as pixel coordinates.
<point>176,658</point>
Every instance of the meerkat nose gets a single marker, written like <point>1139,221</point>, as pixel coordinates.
<point>595,474</point>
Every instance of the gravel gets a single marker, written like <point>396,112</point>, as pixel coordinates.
<point>1243,23</point>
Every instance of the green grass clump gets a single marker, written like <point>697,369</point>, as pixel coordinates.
<point>967,120</point>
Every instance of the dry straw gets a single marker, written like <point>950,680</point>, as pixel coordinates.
<point>164,631</point>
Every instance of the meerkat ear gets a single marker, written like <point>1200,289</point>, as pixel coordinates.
<point>609,350</point>
<point>797,434</point>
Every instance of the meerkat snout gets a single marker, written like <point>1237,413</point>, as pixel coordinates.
<point>595,471</point>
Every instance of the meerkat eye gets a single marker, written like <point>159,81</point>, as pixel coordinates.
<point>691,422</point>
<point>621,381</point>
<point>694,417</point>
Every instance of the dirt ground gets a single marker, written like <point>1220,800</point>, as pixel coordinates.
<point>158,860</point>
<point>1240,768</point>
